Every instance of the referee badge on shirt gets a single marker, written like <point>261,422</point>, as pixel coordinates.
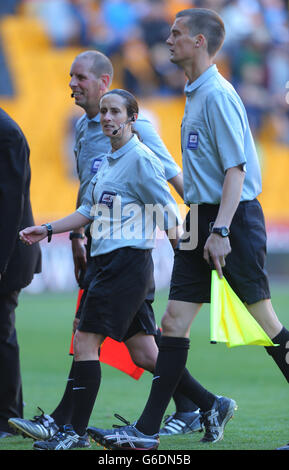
<point>107,198</point>
<point>95,165</point>
<point>193,140</point>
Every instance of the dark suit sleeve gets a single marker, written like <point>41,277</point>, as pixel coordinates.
<point>14,153</point>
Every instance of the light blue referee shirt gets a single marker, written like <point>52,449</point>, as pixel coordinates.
<point>216,136</point>
<point>91,145</point>
<point>127,198</point>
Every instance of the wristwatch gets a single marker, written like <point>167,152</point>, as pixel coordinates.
<point>222,231</point>
<point>49,231</point>
<point>73,235</point>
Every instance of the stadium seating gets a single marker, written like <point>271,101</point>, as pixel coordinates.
<point>43,107</point>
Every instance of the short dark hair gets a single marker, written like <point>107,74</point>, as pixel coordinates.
<point>130,101</point>
<point>206,22</point>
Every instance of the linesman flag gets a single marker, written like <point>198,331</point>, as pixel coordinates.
<point>230,321</point>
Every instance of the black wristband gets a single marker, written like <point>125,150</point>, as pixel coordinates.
<point>73,235</point>
<point>49,231</point>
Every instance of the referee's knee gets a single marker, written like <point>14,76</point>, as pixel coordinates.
<point>145,361</point>
<point>86,346</point>
<point>171,324</point>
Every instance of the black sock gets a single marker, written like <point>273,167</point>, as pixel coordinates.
<point>86,384</point>
<point>280,354</point>
<point>63,412</point>
<point>183,403</point>
<point>170,364</point>
<point>199,395</point>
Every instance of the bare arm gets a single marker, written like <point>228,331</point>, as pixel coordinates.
<point>36,233</point>
<point>178,183</point>
<point>78,250</point>
<point>78,204</point>
<point>216,247</point>
<point>174,235</point>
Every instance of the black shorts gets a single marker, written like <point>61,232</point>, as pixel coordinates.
<point>118,300</point>
<point>244,270</point>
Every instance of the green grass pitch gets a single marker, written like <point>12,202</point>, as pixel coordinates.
<point>247,374</point>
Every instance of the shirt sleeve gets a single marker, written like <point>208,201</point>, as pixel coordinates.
<point>227,125</point>
<point>78,131</point>
<point>87,202</point>
<point>153,190</point>
<point>152,140</point>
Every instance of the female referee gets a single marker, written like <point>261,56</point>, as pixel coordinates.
<point>119,200</point>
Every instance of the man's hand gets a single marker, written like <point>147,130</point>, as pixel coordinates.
<point>79,257</point>
<point>216,249</point>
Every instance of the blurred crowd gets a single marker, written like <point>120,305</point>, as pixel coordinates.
<point>255,56</point>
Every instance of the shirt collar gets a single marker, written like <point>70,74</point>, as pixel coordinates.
<point>190,87</point>
<point>94,119</point>
<point>124,149</point>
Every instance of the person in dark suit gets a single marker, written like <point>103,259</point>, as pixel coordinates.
<point>18,262</point>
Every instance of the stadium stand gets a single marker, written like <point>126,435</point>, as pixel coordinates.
<point>42,105</point>
<point>34,77</point>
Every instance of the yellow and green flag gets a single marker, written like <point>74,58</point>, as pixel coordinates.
<point>231,322</point>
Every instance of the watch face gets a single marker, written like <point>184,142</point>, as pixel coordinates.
<point>224,231</point>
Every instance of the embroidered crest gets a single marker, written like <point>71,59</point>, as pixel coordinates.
<point>95,165</point>
<point>107,198</point>
<point>193,140</point>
